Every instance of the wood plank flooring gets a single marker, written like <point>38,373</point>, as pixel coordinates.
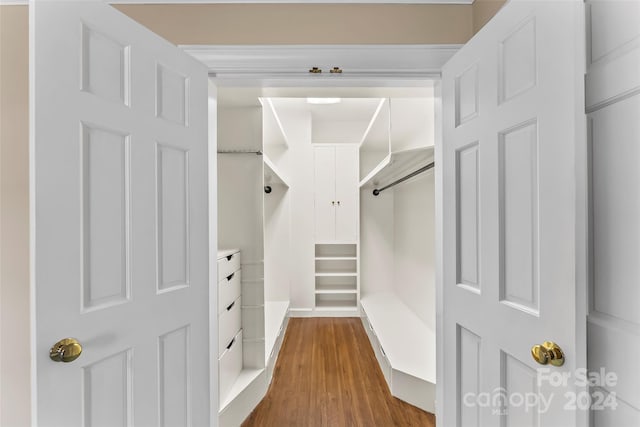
<point>327,375</point>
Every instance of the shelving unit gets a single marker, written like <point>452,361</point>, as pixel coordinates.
<point>275,145</point>
<point>336,276</point>
<point>375,145</point>
<point>398,163</point>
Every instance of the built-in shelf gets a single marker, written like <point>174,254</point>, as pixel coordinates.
<point>246,377</point>
<point>273,131</point>
<point>375,143</point>
<point>274,314</point>
<point>337,274</point>
<point>334,290</point>
<point>335,304</point>
<point>397,165</point>
<point>272,175</point>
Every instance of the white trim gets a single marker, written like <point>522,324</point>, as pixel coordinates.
<point>296,1</point>
<point>378,65</point>
<point>25,2</point>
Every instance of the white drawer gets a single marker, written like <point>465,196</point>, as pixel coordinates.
<point>385,366</point>
<point>230,366</point>
<point>229,323</point>
<point>228,265</point>
<point>229,290</point>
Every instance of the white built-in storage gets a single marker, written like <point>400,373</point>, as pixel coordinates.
<point>397,248</point>
<point>229,320</point>
<point>296,185</point>
<point>336,276</point>
<point>253,215</point>
<point>336,227</point>
<point>336,193</point>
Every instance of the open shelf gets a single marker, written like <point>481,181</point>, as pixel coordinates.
<point>274,134</point>
<point>272,175</point>
<point>337,274</point>
<point>340,250</point>
<point>376,142</point>
<point>328,289</point>
<point>336,302</point>
<point>398,165</point>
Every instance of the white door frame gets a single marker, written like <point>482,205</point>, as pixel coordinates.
<point>287,66</point>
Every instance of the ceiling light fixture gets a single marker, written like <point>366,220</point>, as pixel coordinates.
<point>323,101</point>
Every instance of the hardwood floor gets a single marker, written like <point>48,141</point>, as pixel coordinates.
<point>327,375</point>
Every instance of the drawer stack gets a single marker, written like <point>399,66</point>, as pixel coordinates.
<point>229,319</point>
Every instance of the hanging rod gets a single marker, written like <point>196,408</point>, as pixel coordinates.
<point>398,181</point>
<point>258,152</point>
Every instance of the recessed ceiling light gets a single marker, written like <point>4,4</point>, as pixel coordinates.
<point>323,100</point>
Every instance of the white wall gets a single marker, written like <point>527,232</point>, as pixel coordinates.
<point>414,255</point>
<point>297,126</point>
<point>376,242</point>
<point>277,243</point>
<point>240,187</point>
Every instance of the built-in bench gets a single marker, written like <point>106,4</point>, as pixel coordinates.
<point>404,346</point>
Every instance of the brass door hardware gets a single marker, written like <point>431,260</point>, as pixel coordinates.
<point>66,350</point>
<point>336,70</point>
<point>548,352</point>
<point>315,70</point>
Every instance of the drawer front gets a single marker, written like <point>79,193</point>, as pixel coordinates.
<point>230,366</point>
<point>384,365</point>
<point>228,265</point>
<point>229,323</point>
<point>229,290</point>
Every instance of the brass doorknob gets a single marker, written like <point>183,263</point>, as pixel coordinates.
<point>548,352</point>
<point>66,350</point>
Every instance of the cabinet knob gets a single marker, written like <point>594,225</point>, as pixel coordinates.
<point>333,202</point>
<point>338,202</point>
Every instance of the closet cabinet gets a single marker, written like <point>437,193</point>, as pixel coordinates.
<point>336,193</point>
<point>229,324</point>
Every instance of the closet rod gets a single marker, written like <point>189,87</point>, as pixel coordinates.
<point>258,152</point>
<point>398,181</point>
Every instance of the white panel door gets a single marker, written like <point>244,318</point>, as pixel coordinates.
<point>324,161</point>
<point>513,120</point>
<point>347,195</point>
<point>613,107</point>
<point>120,234</point>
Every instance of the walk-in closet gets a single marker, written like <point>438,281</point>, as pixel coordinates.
<point>325,209</point>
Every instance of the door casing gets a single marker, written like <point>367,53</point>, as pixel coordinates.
<point>369,66</point>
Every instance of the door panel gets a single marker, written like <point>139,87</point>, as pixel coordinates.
<point>120,199</point>
<point>613,107</point>
<point>347,197</point>
<point>324,161</point>
<point>511,122</point>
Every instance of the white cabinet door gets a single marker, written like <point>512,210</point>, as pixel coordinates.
<point>513,123</point>
<point>347,196</point>
<point>119,221</point>
<point>325,192</point>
